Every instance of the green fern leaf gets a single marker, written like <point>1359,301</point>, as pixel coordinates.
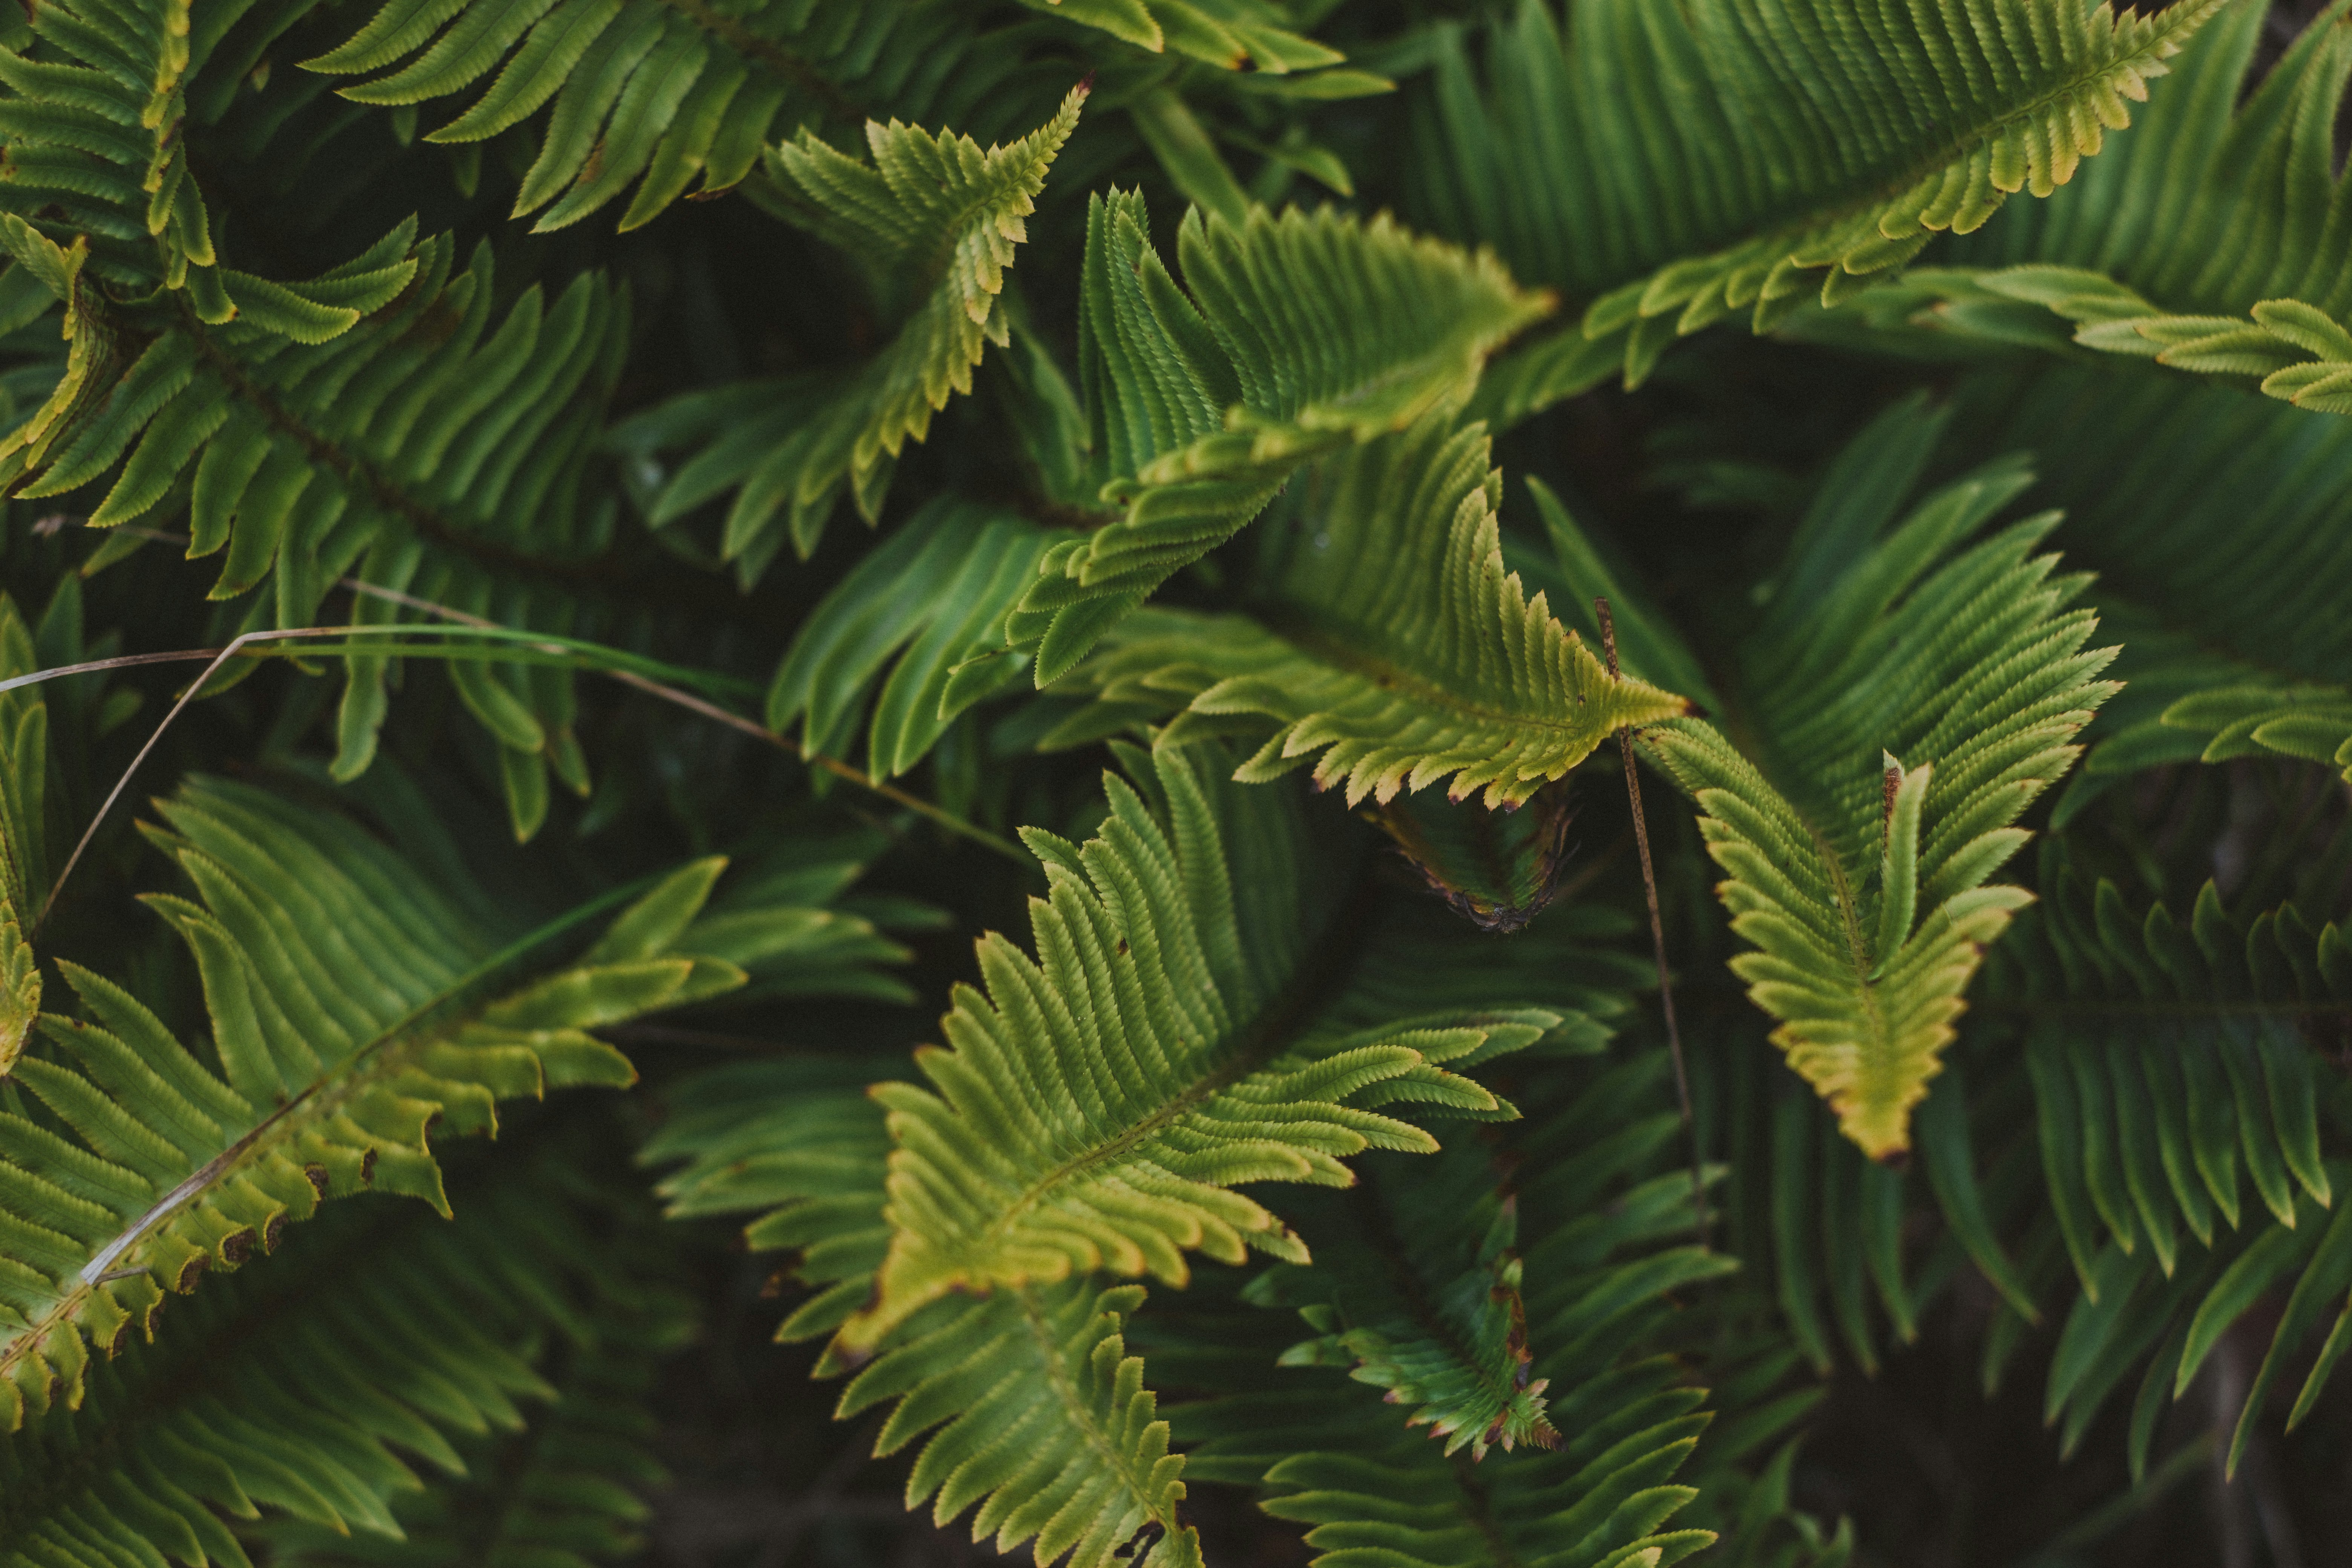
<point>1237,35</point>
<point>2200,244</point>
<point>1205,403</point>
<point>1047,1426</point>
<point>318,1418</point>
<point>352,1009</point>
<point>795,1137</point>
<point>2242,652</point>
<point>2139,1144</point>
<point>667,98</point>
<point>415,440</point>
<point>1050,1427</point>
<point>1644,162</point>
<point>1857,865</point>
<point>1164,1048</point>
<point>933,221</point>
<point>1391,642</point>
<point>1417,1289</point>
<point>24,881</point>
<point>95,124</point>
<point>1327,1453</point>
<point>935,595</point>
<point>569,1486</point>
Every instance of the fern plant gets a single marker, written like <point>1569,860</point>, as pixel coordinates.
<point>1615,741</point>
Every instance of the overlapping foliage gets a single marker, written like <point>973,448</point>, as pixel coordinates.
<point>1289,549</point>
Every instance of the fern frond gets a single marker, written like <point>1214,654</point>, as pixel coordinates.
<point>666,98</point>
<point>2143,1143</point>
<point>796,1138</point>
<point>1916,696</point>
<point>94,119</point>
<point>1237,35</point>
<point>930,602</point>
<point>286,1391</point>
<point>1326,1452</point>
<point>23,789</point>
<point>2209,242</point>
<point>400,431</point>
<point>1100,1103</point>
<point>566,1487</point>
<point>1390,646</point>
<point>2145,1148</point>
<point>932,221</point>
<point>2218,644</point>
<point>352,1009</point>
<point>1415,1289</point>
<point>1048,1427</point>
<point>1291,337</point>
<point>1674,166</point>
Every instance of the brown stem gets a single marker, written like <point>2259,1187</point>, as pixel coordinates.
<point>1657,935</point>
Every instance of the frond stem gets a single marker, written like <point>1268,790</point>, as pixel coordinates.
<point>734,720</point>
<point>1657,935</point>
<point>1082,1416</point>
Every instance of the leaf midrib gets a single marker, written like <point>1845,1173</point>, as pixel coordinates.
<point>428,1018</point>
<point>1331,960</point>
<point>1833,207</point>
<point>1297,628</point>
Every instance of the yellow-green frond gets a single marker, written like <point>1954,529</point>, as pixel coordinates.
<point>1392,647</point>
<point>1100,1103</point>
<point>1206,398</point>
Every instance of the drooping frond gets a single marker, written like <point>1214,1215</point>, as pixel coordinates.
<point>2209,241</point>
<point>1498,869</point>
<point>932,222</point>
<point>393,428</point>
<point>2173,1062</point>
<point>1916,695</point>
<point>1673,166</point>
<point>1290,337</point>
<point>1169,1043</point>
<point>1415,1289</point>
<point>930,603</point>
<point>787,918</point>
<point>1390,646</point>
<point>566,1487</point>
<point>353,1009</point>
<point>666,98</point>
<point>288,1398</point>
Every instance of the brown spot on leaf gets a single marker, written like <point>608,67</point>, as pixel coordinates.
<point>367,1168</point>
<point>237,1247</point>
<point>317,1176</point>
<point>192,1271</point>
<point>273,1233</point>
